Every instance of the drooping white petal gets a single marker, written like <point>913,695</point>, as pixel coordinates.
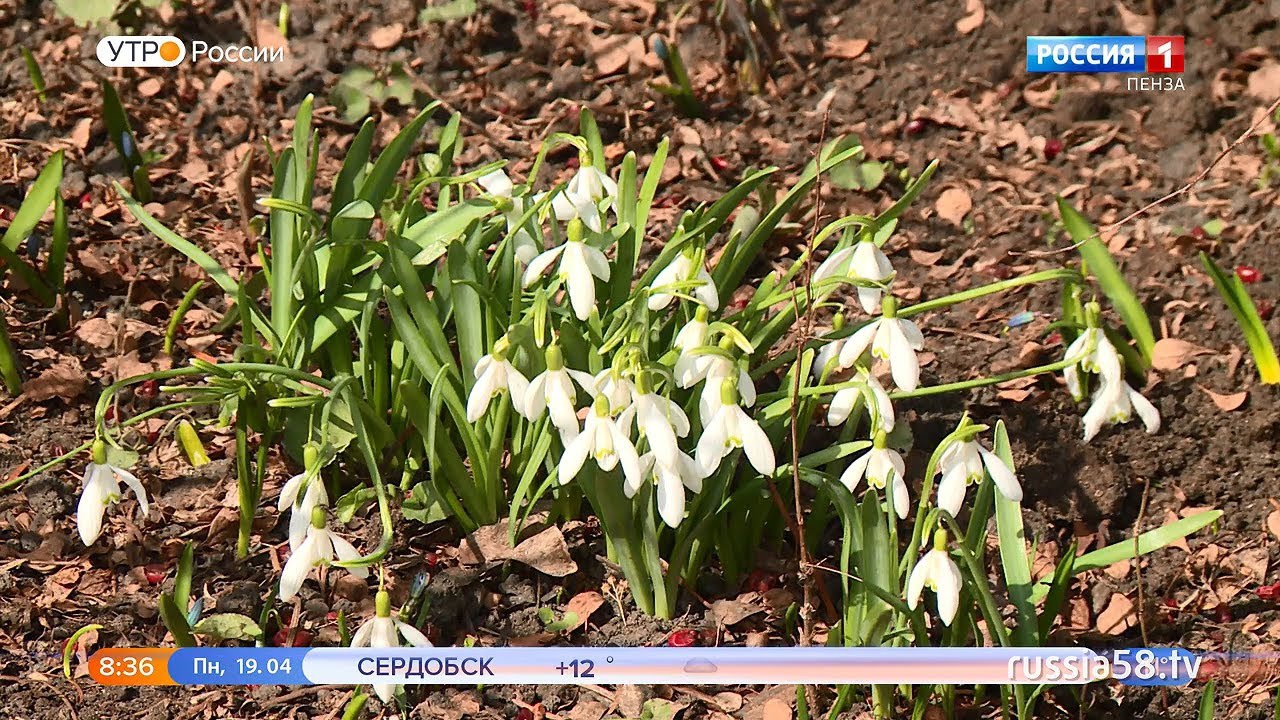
<point>289,493</point>
<point>951,489</point>
<point>670,496</point>
<point>596,262</point>
<point>837,263</point>
<point>882,403</point>
<point>1006,482</point>
<point>478,401</point>
<point>136,486</point>
<point>297,567</point>
<point>901,498</point>
<point>842,405</point>
<point>412,635</point>
<point>1146,411</point>
<point>93,505</point>
<point>856,344</point>
<point>346,551</point>
<point>517,385</point>
<point>755,443</point>
<point>916,581</point>
<point>536,401</point>
<point>580,281</point>
<point>706,293</point>
<point>947,582</point>
<point>626,452</point>
<point>857,470</point>
<point>575,454</point>
<point>496,183</point>
<point>711,446</point>
<point>903,364</point>
<point>539,264</point>
<point>363,635</point>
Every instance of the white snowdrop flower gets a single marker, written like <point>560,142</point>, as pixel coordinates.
<point>827,359</point>
<point>938,572</point>
<point>876,466</point>
<point>892,339</point>
<point>553,389</point>
<point>836,265</point>
<point>870,263</point>
<point>614,386</point>
<point>715,369</point>
<point>876,397</point>
<point>691,337</point>
<point>660,421</point>
<point>964,463</point>
<point>731,428</point>
<point>580,265</point>
<point>1103,360</point>
<point>101,483</point>
<point>582,196</point>
<point>671,483</point>
<point>684,268</point>
<point>301,503</point>
<point>1115,403</point>
<point>384,631</point>
<point>319,548</point>
<point>499,186</point>
<point>603,440</point>
<point>495,374</point>
<point>863,260</point>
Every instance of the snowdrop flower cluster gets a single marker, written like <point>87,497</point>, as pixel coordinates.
<point>881,466</point>
<point>385,631</point>
<point>1114,400</point>
<point>630,425</point>
<point>500,188</point>
<point>101,483</point>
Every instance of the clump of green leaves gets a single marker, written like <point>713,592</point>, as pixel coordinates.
<point>360,90</point>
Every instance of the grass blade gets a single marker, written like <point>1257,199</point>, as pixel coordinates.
<point>1013,551</point>
<point>126,143</point>
<point>8,361</point>
<point>1149,541</point>
<point>1110,279</point>
<point>37,201</point>
<point>1231,288</point>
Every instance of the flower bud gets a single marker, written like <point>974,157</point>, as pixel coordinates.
<point>99,452</point>
<point>318,517</point>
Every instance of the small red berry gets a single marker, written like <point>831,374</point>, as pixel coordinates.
<point>153,437</point>
<point>1198,233</point>
<point>86,200</point>
<point>1268,592</point>
<point>761,581</point>
<point>1222,613</point>
<point>301,638</point>
<point>332,616</point>
<point>530,8</point>
<point>431,559</point>
<point>110,414</point>
<point>683,638</point>
<point>572,163</point>
<point>1248,274</point>
<point>524,714</point>
<point>149,389</point>
<point>719,163</point>
<point>1266,309</point>
<point>916,126</point>
<point>154,573</point>
<point>1052,148</point>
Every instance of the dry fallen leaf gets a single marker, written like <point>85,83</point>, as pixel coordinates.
<point>583,604</point>
<point>1265,81</point>
<point>1134,23</point>
<point>149,87</point>
<point>732,612</point>
<point>953,204</point>
<point>1226,403</point>
<point>614,53</point>
<point>1117,617</point>
<point>777,709</point>
<point>545,551</point>
<point>846,48</point>
<point>1273,523</point>
<point>974,17</point>
<point>1172,353</point>
<point>66,379</point>
<point>387,36</point>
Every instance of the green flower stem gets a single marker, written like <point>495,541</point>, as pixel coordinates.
<point>907,312</point>
<point>89,443</point>
<point>983,382</point>
<point>991,289</point>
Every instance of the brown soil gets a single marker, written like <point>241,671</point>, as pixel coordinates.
<point>518,71</point>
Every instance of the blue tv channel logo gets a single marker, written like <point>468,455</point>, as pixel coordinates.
<point>1086,53</point>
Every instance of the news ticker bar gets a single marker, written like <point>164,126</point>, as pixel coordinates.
<point>640,666</point>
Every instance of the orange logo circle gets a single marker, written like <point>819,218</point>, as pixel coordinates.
<point>169,51</point>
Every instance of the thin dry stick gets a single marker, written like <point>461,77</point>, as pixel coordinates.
<point>1186,188</point>
<point>1137,561</point>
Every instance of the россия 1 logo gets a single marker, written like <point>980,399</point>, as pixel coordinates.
<point>1105,53</point>
<point>1159,55</point>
